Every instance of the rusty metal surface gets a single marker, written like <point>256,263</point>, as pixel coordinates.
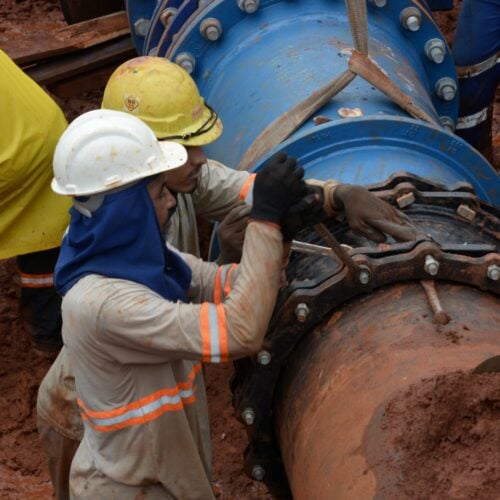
<point>76,11</point>
<point>318,287</point>
<point>350,366</point>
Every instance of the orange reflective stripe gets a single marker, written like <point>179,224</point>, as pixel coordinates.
<point>246,187</point>
<point>218,286</point>
<point>227,284</point>
<point>205,332</point>
<point>37,280</point>
<point>221,316</point>
<point>143,401</point>
<point>142,420</point>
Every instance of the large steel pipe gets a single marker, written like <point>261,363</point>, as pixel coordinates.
<point>343,375</point>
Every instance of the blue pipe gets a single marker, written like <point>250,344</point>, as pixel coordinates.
<point>268,61</point>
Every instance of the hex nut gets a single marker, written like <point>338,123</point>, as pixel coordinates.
<point>258,472</point>
<point>248,416</point>
<point>446,88</point>
<point>248,6</point>
<point>302,312</point>
<point>466,212</point>
<point>411,18</point>
<point>186,61</point>
<point>364,276</point>
<point>211,29</point>
<point>493,272</point>
<point>435,50</point>
<point>263,357</point>
<point>431,265</point>
<point>405,200</point>
<point>141,26</point>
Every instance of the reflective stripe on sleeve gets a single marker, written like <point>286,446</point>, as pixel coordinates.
<point>478,68</point>
<point>37,280</point>
<point>222,285</point>
<point>213,333</point>
<point>145,409</point>
<point>471,121</point>
<point>246,193</point>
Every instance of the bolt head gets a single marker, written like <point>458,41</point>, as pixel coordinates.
<point>431,265</point>
<point>493,272</point>
<point>211,29</point>
<point>412,23</point>
<point>446,88</point>
<point>379,3</point>
<point>258,472</point>
<point>248,416</point>
<point>437,55</point>
<point>186,61</point>
<point>264,357</point>
<point>302,312</point>
<point>364,276</point>
<point>248,6</point>
<point>141,27</point>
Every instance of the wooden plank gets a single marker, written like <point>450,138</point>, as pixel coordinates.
<point>69,39</point>
<point>70,65</point>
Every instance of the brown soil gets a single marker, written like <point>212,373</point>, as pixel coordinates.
<point>23,468</point>
<point>442,439</point>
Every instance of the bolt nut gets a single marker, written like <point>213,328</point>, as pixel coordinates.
<point>264,357</point>
<point>466,212</point>
<point>211,29</point>
<point>248,416</point>
<point>186,61</point>
<point>431,265</point>
<point>248,6</point>
<point>302,312</point>
<point>167,15</point>
<point>448,123</point>
<point>153,52</point>
<point>493,272</point>
<point>258,472</point>
<point>411,18</point>
<point>446,88</point>
<point>379,3</point>
<point>364,276</point>
<point>141,26</point>
<point>405,200</point>
<point>435,50</point>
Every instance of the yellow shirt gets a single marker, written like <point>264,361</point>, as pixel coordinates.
<point>32,216</point>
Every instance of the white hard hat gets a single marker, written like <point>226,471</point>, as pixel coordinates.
<point>103,149</point>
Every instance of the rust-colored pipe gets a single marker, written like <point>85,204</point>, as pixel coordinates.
<point>340,379</point>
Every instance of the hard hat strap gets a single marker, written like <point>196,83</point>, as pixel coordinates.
<point>205,127</point>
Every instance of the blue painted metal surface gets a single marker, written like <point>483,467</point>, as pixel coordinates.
<point>266,62</point>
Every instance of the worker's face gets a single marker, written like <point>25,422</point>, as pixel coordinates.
<point>163,201</point>
<point>185,179</point>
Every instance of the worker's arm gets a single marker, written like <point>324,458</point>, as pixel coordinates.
<point>219,189</point>
<point>138,326</point>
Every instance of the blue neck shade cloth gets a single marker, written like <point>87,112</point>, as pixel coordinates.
<point>122,240</point>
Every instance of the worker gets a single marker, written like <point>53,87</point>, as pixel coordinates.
<point>135,342</point>
<point>476,49</point>
<point>204,188</point>
<point>33,218</point>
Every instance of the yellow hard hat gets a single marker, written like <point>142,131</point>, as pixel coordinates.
<point>165,97</point>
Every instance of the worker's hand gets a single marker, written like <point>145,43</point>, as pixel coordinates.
<point>371,216</point>
<point>306,212</point>
<point>277,187</point>
<point>231,233</point>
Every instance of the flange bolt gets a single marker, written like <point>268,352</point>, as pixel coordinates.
<point>302,312</point>
<point>431,265</point>
<point>248,6</point>
<point>211,29</point>
<point>258,472</point>
<point>493,272</point>
<point>435,50</point>
<point>379,3</point>
<point>264,357</point>
<point>248,416</point>
<point>186,61</point>
<point>364,276</point>
<point>411,18</point>
<point>446,88</point>
<point>448,123</point>
<point>141,26</point>
<point>167,16</point>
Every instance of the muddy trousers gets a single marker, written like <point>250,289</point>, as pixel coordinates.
<point>40,303</point>
<point>60,452</point>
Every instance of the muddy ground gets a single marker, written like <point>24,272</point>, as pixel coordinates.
<point>23,470</point>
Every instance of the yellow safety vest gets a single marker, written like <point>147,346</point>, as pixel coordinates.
<point>32,216</point>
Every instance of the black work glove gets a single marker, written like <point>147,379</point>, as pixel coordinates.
<point>372,217</point>
<point>306,212</point>
<point>277,187</point>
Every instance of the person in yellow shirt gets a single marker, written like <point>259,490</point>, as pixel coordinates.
<point>32,217</point>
